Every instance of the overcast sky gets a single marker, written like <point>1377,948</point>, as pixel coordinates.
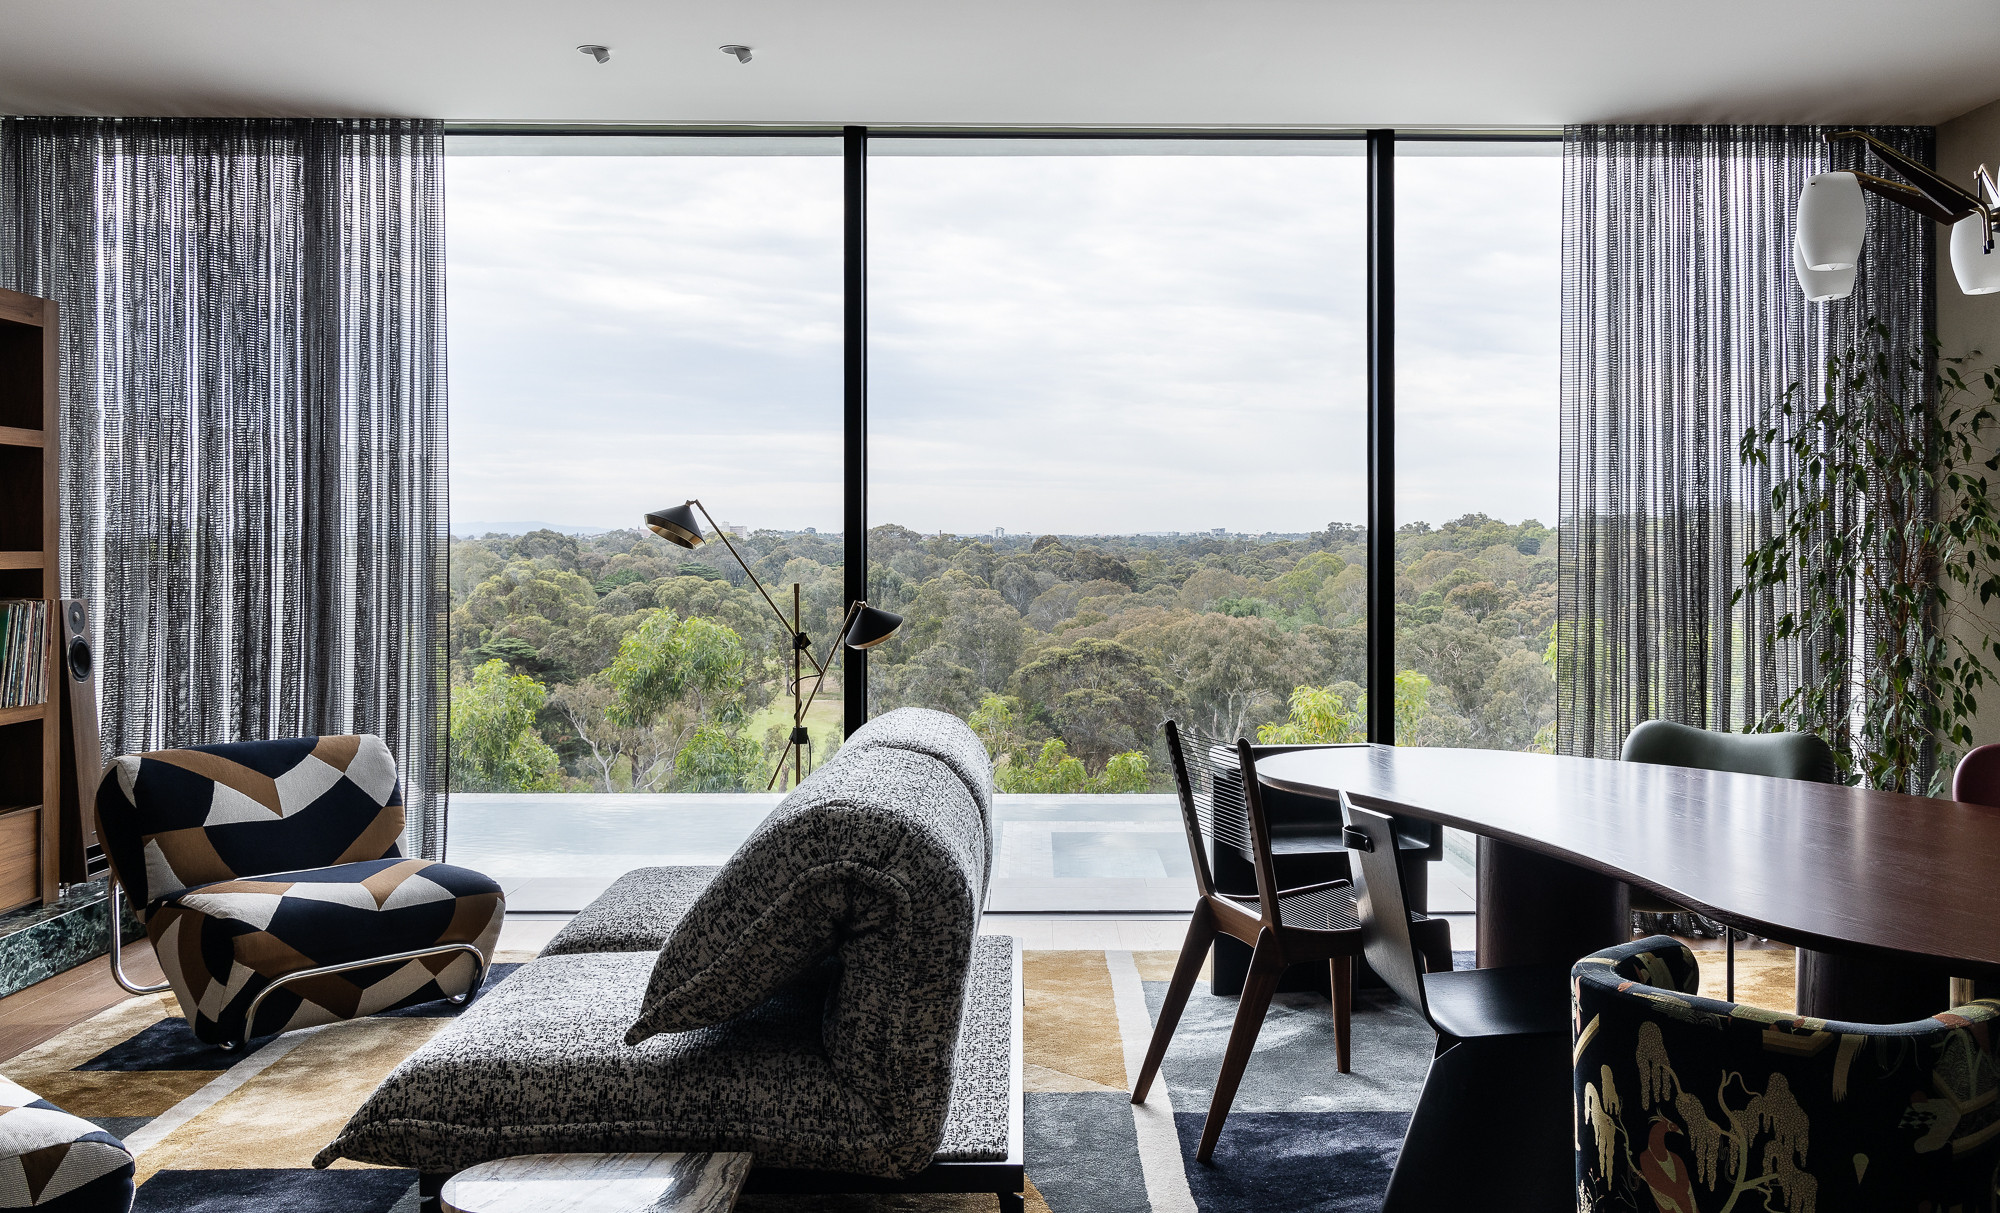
<point>1075,343</point>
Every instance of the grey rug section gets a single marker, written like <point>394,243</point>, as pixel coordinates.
<point>975,1128</point>
<point>636,914</point>
<point>1083,1153</point>
<point>1293,1068</point>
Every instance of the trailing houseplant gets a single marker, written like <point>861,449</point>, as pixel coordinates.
<point>1882,554</point>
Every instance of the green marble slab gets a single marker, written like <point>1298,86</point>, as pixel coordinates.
<point>38,942</point>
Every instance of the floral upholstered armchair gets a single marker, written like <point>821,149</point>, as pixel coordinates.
<point>1685,1104</point>
<point>270,881</point>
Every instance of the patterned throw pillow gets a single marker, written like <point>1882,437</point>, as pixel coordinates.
<point>56,1162</point>
<point>173,819</point>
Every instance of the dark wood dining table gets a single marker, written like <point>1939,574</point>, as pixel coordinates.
<point>1887,896</point>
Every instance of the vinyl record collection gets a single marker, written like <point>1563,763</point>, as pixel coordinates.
<point>24,648</point>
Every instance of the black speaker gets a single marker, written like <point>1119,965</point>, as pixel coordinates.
<point>82,857</point>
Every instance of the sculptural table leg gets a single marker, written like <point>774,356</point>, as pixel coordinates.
<point>1862,989</point>
<point>1537,910</point>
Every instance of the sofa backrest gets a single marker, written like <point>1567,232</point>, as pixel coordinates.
<point>879,859</point>
<point>946,738</point>
<point>173,819</point>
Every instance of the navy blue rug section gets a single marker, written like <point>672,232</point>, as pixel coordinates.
<point>1083,1152</point>
<point>167,1045</point>
<point>277,1191</point>
<point>1293,1162</point>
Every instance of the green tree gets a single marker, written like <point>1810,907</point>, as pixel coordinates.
<point>993,723</point>
<point>530,603</point>
<point>494,746</point>
<point>1319,716</point>
<point>670,661</point>
<point>1055,771</point>
<point>1298,590</point>
<point>713,761</point>
<point>1100,695</point>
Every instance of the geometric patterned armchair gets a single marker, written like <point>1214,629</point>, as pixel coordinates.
<point>269,880</point>
<point>1684,1103</point>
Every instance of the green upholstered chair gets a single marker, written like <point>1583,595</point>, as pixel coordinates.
<point>1778,755</point>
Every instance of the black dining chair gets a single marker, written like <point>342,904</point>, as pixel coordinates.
<point>1492,1127</point>
<point>1223,806</point>
<point>1778,755</point>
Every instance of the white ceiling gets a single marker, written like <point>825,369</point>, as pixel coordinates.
<point>1342,63</point>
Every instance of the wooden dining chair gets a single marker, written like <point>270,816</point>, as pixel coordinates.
<point>1492,1127</point>
<point>1222,806</point>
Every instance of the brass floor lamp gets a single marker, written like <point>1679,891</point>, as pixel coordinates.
<point>863,627</point>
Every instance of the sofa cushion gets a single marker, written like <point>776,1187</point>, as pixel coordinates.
<point>56,1162</point>
<point>879,856</point>
<point>539,1065</point>
<point>221,944</point>
<point>636,914</point>
<point>946,738</point>
<point>172,819</point>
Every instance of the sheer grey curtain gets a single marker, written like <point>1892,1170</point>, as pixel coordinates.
<point>1682,325</point>
<point>253,370</point>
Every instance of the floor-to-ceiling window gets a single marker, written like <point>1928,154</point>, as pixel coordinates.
<point>1115,469</point>
<point>1116,452</point>
<point>1479,296</point>
<point>634,321</point>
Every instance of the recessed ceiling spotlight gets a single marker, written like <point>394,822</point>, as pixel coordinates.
<point>600,53</point>
<point>737,49</point>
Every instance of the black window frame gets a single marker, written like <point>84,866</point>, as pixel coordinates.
<point>1380,144</point>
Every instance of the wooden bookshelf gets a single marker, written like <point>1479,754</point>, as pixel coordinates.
<point>30,537</point>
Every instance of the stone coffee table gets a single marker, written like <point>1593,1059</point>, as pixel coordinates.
<point>599,1183</point>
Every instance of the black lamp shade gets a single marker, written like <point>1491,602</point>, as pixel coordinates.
<point>871,627</point>
<point>676,524</point>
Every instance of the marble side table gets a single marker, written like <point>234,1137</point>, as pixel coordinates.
<point>599,1183</point>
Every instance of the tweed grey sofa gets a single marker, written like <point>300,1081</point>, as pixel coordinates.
<point>823,1000</point>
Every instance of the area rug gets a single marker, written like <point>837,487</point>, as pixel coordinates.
<point>220,1132</point>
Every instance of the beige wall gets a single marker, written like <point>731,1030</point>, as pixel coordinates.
<point>1971,322</point>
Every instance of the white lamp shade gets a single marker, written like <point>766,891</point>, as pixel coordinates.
<point>1978,270</point>
<point>1821,286</point>
<point>1833,221</point>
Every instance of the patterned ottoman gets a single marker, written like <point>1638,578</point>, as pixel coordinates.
<point>56,1162</point>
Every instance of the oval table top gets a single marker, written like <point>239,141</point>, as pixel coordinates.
<point>1817,865</point>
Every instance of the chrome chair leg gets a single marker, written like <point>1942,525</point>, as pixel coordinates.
<point>117,908</point>
<point>479,965</point>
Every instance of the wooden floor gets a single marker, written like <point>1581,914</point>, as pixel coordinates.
<point>33,1015</point>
